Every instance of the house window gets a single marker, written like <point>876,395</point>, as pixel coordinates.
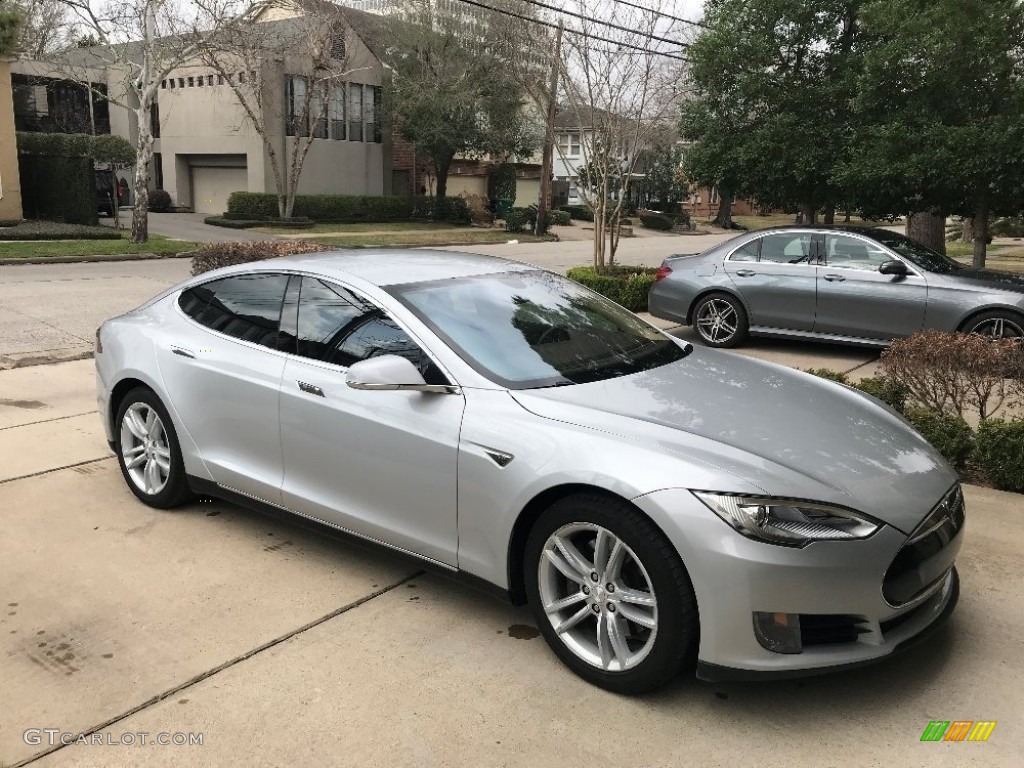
<point>713,197</point>
<point>181,82</point>
<point>337,113</point>
<point>158,170</point>
<point>296,123</point>
<point>318,111</point>
<point>209,79</point>
<point>163,84</point>
<point>241,77</point>
<point>191,82</point>
<point>569,144</point>
<point>220,79</point>
<point>154,120</point>
<point>200,82</point>
<point>371,113</point>
<point>170,82</point>
<point>355,112</point>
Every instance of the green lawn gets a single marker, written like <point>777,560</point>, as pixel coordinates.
<point>44,248</point>
<point>445,236</point>
<point>394,226</point>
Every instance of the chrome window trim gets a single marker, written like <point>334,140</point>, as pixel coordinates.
<point>911,269</point>
<point>289,355</point>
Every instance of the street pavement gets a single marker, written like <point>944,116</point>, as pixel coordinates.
<point>282,646</point>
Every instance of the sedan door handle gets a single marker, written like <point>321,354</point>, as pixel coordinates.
<point>835,278</point>
<point>313,390</point>
<point>745,273</point>
<point>183,353</point>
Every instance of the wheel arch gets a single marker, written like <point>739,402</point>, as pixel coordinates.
<point>977,311</point>
<point>117,394</point>
<point>708,292</point>
<point>529,515</point>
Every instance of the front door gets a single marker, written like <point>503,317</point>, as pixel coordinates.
<point>777,277</point>
<point>382,464</point>
<point>856,300</point>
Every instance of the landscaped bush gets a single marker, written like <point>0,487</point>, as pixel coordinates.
<point>890,392</point>
<point>681,219</point>
<point>56,230</point>
<point>159,201</point>
<point>216,255</point>
<point>559,218</point>
<point>515,220</point>
<point>624,285</point>
<point>220,221</point>
<point>578,212</point>
<point>501,182</point>
<point>479,211</point>
<point>999,451</point>
<point>828,373</point>
<point>347,209</point>
<point>949,434</point>
<point>656,221</point>
<point>1012,226</point>
<point>957,373</point>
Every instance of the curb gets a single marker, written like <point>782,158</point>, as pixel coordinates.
<point>27,359</point>
<point>95,257</point>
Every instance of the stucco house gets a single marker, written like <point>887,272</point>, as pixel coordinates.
<point>10,187</point>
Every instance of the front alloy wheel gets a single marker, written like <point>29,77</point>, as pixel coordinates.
<point>148,452</point>
<point>610,594</point>
<point>998,325</point>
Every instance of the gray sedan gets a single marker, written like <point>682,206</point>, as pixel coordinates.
<point>848,285</point>
<point>655,503</point>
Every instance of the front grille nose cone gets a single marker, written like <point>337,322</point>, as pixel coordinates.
<point>925,559</point>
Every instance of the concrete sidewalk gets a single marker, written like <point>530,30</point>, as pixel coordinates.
<point>282,646</point>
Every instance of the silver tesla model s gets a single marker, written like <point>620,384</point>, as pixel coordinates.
<point>657,504</point>
<point>841,284</point>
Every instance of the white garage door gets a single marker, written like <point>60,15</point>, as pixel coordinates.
<point>211,187</point>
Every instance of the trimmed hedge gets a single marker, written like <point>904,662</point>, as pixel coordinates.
<point>159,201</point>
<point>347,209</point>
<point>950,435</point>
<point>559,218</point>
<point>657,221</point>
<point>217,255</point>
<point>627,286</point>
<point>55,230</point>
<point>58,188</point>
<point>999,450</point>
<point>516,220</point>
<point>890,392</point>
<point>578,212</point>
<point>220,221</point>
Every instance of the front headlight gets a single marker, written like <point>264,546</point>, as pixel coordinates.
<point>790,523</point>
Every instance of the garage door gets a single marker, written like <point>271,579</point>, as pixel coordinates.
<point>211,187</point>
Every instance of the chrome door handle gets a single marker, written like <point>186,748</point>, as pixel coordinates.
<point>835,278</point>
<point>310,389</point>
<point>183,353</point>
<point>745,273</point>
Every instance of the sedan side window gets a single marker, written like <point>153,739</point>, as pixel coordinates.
<point>747,252</point>
<point>854,253</point>
<point>787,248</point>
<point>247,307</point>
<point>340,327</point>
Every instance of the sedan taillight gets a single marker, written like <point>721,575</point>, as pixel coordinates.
<point>663,272</point>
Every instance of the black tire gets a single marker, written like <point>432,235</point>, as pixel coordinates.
<point>719,335</point>
<point>175,490</point>
<point>674,642</point>
<point>989,324</point>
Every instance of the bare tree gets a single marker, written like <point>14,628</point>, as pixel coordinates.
<point>46,27</point>
<point>620,84</point>
<point>139,43</point>
<point>316,43</point>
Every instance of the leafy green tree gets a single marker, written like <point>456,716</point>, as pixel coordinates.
<point>117,153</point>
<point>451,93</point>
<point>664,178</point>
<point>10,27</point>
<point>944,83</point>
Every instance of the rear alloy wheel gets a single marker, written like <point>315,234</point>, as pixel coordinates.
<point>148,452</point>
<point>997,325</point>
<point>720,320</point>
<point>610,594</point>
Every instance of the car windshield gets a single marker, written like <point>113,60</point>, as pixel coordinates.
<point>919,255</point>
<point>535,329</point>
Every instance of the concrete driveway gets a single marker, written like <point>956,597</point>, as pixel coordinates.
<point>190,226</point>
<point>285,647</point>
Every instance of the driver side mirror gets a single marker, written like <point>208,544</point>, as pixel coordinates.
<point>391,373</point>
<point>894,267</point>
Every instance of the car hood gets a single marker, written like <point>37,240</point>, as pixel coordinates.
<point>991,278</point>
<point>789,433</point>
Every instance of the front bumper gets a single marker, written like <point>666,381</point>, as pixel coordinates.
<point>735,577</point>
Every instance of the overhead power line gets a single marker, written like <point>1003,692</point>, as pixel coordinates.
<point>680,19</point>
<point>570,30</point>
<point>609,24</point>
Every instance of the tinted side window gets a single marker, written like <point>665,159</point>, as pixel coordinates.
<point>747,252</point>
<point>786,248</point>
<point>340,327</point>
<point>854,253</point>
<point>247,307</point>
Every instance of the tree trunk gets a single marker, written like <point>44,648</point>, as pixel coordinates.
<point>809,213</point>
<point>846,216</point>
<point>723,218</point>
<point>143,157</point>
<point>967,236</point>
<point>830,215</point>
<point>442,165</point>
<point>980,235</point>
<point>929,229</point>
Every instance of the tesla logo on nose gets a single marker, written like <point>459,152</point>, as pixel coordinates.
<point>958,730</point>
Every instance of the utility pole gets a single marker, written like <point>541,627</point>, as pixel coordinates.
<point>549,137</point>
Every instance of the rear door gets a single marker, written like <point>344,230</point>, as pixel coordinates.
<point>855,299</point>
<point>777,277</point>
<point>223,378</point>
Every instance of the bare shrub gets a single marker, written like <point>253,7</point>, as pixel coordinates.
<point>479,212</point>
<point>957,373</point>
<point>216,255</point>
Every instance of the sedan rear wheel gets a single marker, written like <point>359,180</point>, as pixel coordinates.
<point>720,320</point>
<point>997,325</point>
<point>610,594</point>
<point>148,452</point>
